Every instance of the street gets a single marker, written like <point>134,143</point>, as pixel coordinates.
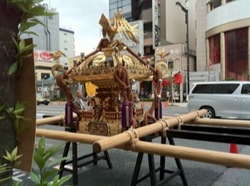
<point>197,173</point>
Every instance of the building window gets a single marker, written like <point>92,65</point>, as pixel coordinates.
<point>170,64</point>
<point>124,6</point>
<point>148,27</point>
<point>45,76</point>
<point>148,50</point>
<point>227,1</point>
<point>214,49</point>
<point>215,3</point>
<point>236,53</point>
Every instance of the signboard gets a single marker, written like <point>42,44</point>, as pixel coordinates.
<point>42,55</point>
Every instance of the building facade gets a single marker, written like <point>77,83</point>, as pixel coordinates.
<point>66,45</point>
<point>164,28</point>
<point>48,40</point>
<point>223,37</point>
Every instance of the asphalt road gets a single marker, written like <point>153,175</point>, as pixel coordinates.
<point>197,173</point>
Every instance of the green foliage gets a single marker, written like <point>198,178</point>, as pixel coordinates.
<point>31,10</point>
<point>13,158</point>
<point>16,113</point>
<point>45,172</point>
<point>13,161</point>
<point>4,169</point>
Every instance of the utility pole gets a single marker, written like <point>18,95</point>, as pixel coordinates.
<point>185,10</point>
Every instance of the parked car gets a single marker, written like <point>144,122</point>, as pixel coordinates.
<point>222,99</point>
<point>41,100</point>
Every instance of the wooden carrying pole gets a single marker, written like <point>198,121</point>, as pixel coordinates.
<point>49,120</point>
<point>68,136</point>
<point>53,119</point>
<point>127,136</point>
<point>221,122</point>
<point>188,153</point>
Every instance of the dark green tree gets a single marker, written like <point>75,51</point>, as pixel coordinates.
<point>16,17</point>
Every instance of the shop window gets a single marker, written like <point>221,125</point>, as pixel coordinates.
<point>214,49</point>
<point>236,53</point>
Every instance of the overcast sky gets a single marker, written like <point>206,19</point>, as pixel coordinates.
<point>82,17</point>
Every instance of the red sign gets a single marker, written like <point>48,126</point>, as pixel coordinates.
<point>177,78</point>
<point>42,55</point>
<point>35,55</point>
<point>45,55</point>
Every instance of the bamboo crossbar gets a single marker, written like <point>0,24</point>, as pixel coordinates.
<point>49,120</point>
<point>221,122</point>
<point>127,136</point>
<point>188,153</point>
<point>68,136</point>
<point>53,119</point>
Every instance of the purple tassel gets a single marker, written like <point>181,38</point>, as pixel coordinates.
<point>126,114</point>
<point>68,114</point>
<point>158,110</point>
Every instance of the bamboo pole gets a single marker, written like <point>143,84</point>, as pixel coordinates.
<point>127,136</point>
<point>50,120</point>
<point>53,119</point>
<point>221,122</point>
<point>68,136</point>
<point>188,153</point>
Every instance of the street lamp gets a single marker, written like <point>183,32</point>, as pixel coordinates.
<point>185,10</point>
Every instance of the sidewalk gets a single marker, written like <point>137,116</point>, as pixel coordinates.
<point>182,104</point>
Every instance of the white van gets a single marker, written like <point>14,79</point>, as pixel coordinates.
<point>224,99</point>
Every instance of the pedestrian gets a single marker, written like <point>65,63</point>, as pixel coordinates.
<point>79,101</point>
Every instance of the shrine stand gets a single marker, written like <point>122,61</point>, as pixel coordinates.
<point>161,169</point>
<point>78,162</point>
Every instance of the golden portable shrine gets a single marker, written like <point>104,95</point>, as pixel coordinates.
<point>112,68</point>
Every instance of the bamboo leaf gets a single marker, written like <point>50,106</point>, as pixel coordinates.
<point>41,146</point>
<point>8,156</point>
<point>14,152</point>
<point>31,33</point>
<point>21,45</point>
<point>57,161</point>
<point>39,161</point>
<point>12,69</point>
<point>23,51</point>
<point>34,178</point>
<point>49,174</point>
<point>26,25</point>
<point>19,111</point>
<point>38,21</point>
<point>64,179</point>
<point>37,10</point>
